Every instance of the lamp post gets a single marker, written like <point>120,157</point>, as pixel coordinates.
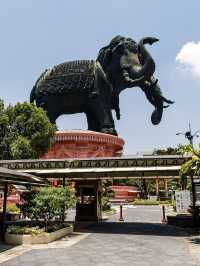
<point>190,137</point>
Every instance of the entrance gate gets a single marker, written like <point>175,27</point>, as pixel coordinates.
<point>88,207</point>
<point>88,173</point>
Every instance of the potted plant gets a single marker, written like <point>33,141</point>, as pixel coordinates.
<point>46,209</point>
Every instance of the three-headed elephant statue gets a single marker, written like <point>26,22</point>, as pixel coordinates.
<point>93,86</point>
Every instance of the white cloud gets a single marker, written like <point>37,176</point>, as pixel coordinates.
<point>189,57</point>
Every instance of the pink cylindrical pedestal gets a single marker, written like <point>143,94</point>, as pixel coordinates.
<point>84,144</point>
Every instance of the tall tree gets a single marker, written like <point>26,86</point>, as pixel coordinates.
<point>25,131</point>
<point>169,151</point>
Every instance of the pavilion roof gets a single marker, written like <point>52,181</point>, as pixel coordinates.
<point>165,166</point>
<point>14,177</point>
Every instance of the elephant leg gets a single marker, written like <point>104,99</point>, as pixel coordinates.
<point>52,116</point>
<point>92,123</point>
<point>109,126</point>
<point>101,113</point>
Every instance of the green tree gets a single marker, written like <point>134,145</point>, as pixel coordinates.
<point>25,131</point>
<point>47,204</point>
<point>169,151</point>
<point>191,167</point>
<point>27,205</point>
<point>51,203</point>
<point>179,150</point>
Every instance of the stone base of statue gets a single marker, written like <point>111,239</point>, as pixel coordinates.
<point>84,144</point>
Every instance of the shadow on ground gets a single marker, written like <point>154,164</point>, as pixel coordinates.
<point>195,239</point>
<point>5,247</point>
<point>135,228</point>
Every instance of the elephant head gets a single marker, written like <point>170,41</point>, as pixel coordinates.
<point>128,64</point>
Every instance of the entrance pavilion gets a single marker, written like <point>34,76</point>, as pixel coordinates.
<point>88,173</point>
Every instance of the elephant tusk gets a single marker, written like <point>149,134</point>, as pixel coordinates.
<point>167,100</point>
<point>156,81</point>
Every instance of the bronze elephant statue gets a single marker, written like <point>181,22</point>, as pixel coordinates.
<point>93,86</point>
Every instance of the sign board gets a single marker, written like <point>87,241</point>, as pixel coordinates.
<point>183,200</point>
<point>153,197</point>
<point>144,161</point>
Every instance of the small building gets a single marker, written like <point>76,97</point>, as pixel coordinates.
<point>125,193</point>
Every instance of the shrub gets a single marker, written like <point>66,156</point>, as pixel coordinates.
<point>27,204</point>
<point>47,204</point>
<point>51,203</point>
<point>35,230</point>
<point>12,207</point>
<point>55,227</point>
<point>106,204</point>
<point>24,230</point>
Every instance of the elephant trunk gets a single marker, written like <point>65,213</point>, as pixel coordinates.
<point>148,64</point>
<point>154,95</point>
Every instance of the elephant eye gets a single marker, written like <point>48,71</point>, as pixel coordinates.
<point>120,49</point>
<point>133,49</point>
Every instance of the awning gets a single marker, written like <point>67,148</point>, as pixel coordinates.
<point>20,188</point>
<point>119,172</point>
<point>95,168</point>
<point>13,177</point>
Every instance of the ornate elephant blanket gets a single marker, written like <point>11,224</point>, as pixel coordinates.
<point>72,76</point>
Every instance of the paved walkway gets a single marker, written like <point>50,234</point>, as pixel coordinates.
<point>140,240</point>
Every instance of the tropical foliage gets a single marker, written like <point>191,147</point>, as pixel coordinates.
<point>191,167</point>
<point>25,131</point>
<point>47,204</point>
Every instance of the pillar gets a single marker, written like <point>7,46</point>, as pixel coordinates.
<point>165,187</point>
<point>64,182</point>
<point>144,188</point>
<point>157,187</point>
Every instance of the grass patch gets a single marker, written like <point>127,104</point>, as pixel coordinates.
<point>150,202</point>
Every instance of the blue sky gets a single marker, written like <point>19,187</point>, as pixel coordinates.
<point>35,35</point>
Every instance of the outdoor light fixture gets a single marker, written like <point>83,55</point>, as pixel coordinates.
<point>189,136</point>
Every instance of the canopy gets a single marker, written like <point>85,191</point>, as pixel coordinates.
<point>13,177</point>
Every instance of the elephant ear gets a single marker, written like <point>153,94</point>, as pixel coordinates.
<point>156,116</point>
<point>104,56</point>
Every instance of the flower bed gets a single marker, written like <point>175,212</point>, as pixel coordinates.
<point>17,235</point>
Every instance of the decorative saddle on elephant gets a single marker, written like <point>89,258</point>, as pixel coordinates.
<point>73,76</point>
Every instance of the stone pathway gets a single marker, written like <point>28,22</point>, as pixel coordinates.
<point>140,241</point>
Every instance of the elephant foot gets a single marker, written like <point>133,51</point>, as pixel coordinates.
<point>110,131</point>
